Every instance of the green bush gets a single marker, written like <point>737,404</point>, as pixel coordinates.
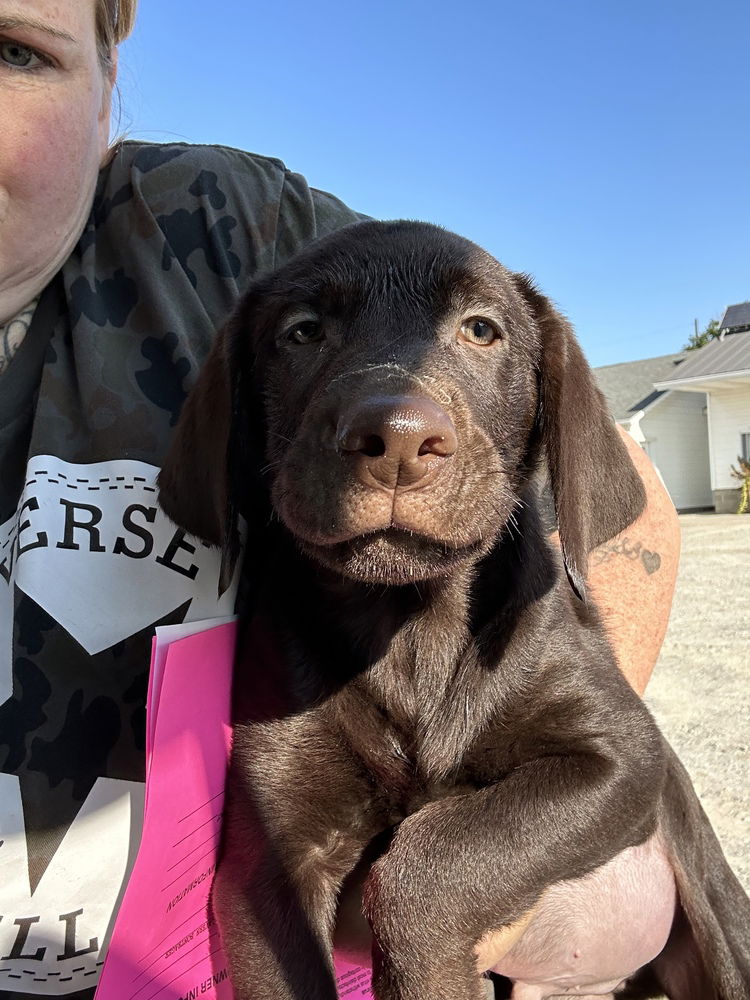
<point>743,474</point>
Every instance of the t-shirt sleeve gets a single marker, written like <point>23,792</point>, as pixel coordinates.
<point>222,216</point>
<point>305,214</point>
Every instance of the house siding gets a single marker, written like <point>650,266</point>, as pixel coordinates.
<point>676,438</point>
<point>730,417</point>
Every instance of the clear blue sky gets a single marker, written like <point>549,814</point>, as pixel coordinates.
<point>602,145</point>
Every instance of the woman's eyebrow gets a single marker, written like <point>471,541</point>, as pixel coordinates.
<point>11,23</point>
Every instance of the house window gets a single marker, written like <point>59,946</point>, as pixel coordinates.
<point>745,446</point>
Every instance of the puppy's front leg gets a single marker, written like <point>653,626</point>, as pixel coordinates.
<point>277,934</point>
<point>292,833</point>
<point>472,863</point>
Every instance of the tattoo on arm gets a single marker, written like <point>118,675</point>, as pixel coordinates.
<point>628,549</point>
<point>12,334</point>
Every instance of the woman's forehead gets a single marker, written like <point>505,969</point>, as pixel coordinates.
<point>73,21</point>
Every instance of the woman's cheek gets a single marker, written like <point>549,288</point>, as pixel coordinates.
<point>56,165</point>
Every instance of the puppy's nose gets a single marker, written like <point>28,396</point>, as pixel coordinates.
<point>398,441</point>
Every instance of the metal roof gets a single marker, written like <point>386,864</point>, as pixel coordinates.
<point>734,316</point>
<point>629,387</point>
<point>719,358</point>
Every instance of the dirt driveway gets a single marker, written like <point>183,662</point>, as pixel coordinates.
<point>700,691</point>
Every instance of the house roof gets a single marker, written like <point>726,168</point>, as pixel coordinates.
<point>718,359</point>
<point>629,387</point>
<point>734,316</point>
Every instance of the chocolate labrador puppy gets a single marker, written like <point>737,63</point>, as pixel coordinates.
<point>423,683</point>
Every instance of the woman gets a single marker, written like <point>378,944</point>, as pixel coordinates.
<point>115,269</point>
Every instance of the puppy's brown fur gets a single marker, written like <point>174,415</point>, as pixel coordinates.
<point>419,680</point>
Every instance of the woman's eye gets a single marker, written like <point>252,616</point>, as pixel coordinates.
<point>479,331</point>
<point>305,333</point>
<point>19,56</point>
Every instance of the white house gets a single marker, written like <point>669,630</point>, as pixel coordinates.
<point>719,374</point>
<point>670,426</point>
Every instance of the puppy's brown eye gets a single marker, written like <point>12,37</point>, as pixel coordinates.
<point>305,333</point>
<point>479,331</point>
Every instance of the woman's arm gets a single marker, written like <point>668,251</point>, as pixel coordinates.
<point>632,577</point>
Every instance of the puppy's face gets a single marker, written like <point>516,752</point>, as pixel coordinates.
<point>408,382</point>
<point>398,368</point>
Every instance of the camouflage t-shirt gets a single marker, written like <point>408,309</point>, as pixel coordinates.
<point>88,563</point>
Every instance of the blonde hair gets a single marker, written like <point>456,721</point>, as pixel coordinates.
<point>115,20</point>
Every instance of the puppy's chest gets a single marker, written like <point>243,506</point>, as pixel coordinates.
<point>416,723</point>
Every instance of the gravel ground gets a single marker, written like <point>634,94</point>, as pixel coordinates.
<point>700,691</point>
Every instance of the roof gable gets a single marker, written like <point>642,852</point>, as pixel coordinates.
<point>629,387</point>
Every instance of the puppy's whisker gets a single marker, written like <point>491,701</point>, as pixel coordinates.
<point>271,465</point>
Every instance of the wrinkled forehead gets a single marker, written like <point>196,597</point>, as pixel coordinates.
<point>379,268</point>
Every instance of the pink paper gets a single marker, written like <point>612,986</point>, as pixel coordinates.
<point>353,982</point>
<point>164,945</point>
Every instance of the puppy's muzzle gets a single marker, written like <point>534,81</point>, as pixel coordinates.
<point>395,442</point>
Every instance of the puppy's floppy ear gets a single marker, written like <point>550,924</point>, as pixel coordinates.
<point>199,483</point>
<point>596,490</point>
